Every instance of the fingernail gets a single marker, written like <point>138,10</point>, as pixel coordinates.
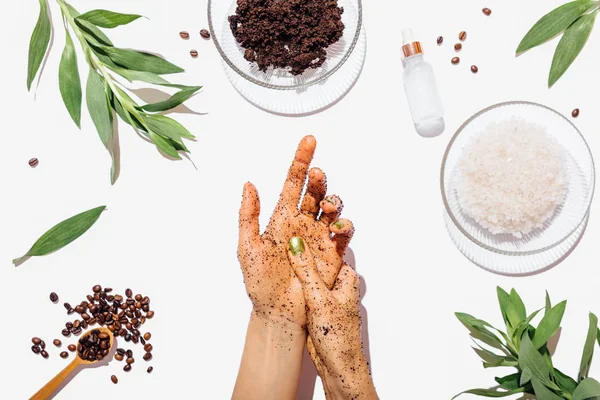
<point>330,200</point>
<point>338,224</point>
<point>296,245</point>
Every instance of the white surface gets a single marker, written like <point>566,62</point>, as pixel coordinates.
<point>170,230</point>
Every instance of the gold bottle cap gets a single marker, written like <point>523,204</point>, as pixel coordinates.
<point>412,49</point>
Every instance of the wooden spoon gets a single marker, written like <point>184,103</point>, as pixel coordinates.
<point>45,392</point>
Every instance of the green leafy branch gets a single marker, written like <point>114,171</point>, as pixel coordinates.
<point>105,95</point>
<point>576,20</point>
<point>525,348</point>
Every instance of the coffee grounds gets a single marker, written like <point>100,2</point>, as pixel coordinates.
<point>291,34</point>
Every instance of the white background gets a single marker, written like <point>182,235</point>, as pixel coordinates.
<point>171,229</point>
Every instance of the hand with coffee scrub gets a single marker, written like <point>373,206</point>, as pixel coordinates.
<point>272,359</point>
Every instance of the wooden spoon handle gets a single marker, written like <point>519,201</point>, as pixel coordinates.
<point>45,392</point>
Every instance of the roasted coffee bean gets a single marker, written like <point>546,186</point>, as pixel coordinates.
<point>107,290</point>
<point>474,69</point>
<point>440,40</point>
<point>103,335</point>
<point>34,162</point>
<point>142,341</point>
<point>575,113</point>
<point>147,335</point>
<point>193,53</point>
<point>83,325</point>
<point>71,311</point>
<point>36,349</point>
<point>44,354</point>
<point>118,357</point>
<point>127,367</point>
<point>122,332</point>
<point>110,297</point>
<point>36,340</point>
<point>121,351</point>
<point>462,36</point>
<point>146,300</point>
<point>138,305</point>
<point>57,342</point>
<point>79,310</point>
<point>127,338</point>
<point>129,353</point>
<point>458,47</point>
<point>76,331</point>
<point>130,360</point>
<point>147,356</point>
<point>150,369</point>
<point>123,306</point>
<point>96,288</point>
<point>130,302</point>
<point>455,60</point>
<point>118,297</point>
<point>64,354</point>
<point>138,297</point>
<point>67,306</point>
<point>205,34</point>
<point>72,347</point>
<point>114,379</point>
<point>137,313</point>
<point>143,320</point>
<point>53,297</point>
<point>128,292</point>
<point>184,35</point>
<point>76,324</point>
<point>150,314</point>
<point>90,298</point>
<point>487,11</point>
<point>85,316</point>
<point>92,321</point>
<point>42,344</point>
<point>132,308</point>
<point>148,347</point>
<point>135,339</point>
<point>104,345</point>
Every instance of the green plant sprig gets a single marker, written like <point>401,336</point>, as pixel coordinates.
<point>575,20</point>
<point>105,95</point>
<point>525,348</point>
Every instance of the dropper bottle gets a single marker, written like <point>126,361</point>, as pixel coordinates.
<point>421,89</point>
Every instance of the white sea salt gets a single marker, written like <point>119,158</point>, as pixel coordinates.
<point>512,177</point>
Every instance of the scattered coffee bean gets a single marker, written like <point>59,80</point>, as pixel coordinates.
<point>127,367</point>
<point>67,306</point>
<point>147,335</point>
<point>143,341</point>
<point>150,369</point>
<point>130,360</point>
<point>462,36</point>
<point>455,60</point>
<point>118,357</point>
<point>150,314</point>
<point>193,53</point>
<point>129,353</point>
<point>72,347</point>
<point>147,356</point>
<point>66,332</point>
<point>205,34</point>
<point>128,293</point>
<point>44,354</point>
<point>34,162</point>
<point>114,379</point>
<point>70,325</point>
<point>42,344</point>
<point>440,40</point>
<point>93,347</point>
<point>474,69</point>
<point>53,297</point>
<point>184,35</point>
<point>57,342</point>
<point>148,347</point>
<point>36,340</point>
<point>575,113</point>
<point>458,47</point>
<point>487,11</point>
<point>36,349</point>
<point>97,288</point>
<point>64,354</point>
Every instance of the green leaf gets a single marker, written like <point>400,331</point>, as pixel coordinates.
<point>523,326</point>
<point>554,23</point>
<point>542,392</point>
<point>525,376</point>
<point>548,303</point>
<point>38,44</point>
<point>515,311</point>
<point>491,392</point>
<point>93,32</point>
<point>163,145</point>
<point>570,46</point>
<point>167,127</point>
<point>69,81</point>
<point>529,357</point>
<point>509,382</point>
<point>588,348</point>
<point>566,383</point>
<point>588,388</point>
<point>549,325</point>
<point>102,116</point>
<point>126,116</point>
<point>175,100</point>
<point>62,234</point>
<point>140,61</point>
<point>504,301</point>
<point>108,19</point>
<point>478,330</point>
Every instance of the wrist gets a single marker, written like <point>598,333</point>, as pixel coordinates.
<point>350,381</point>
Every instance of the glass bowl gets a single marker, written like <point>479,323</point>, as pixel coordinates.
<point>566,221</point>
<point>233,54</point>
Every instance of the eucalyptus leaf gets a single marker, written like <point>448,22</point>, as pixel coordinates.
<point>69,81</point>
<point>549,325</point>
<point>93,32</point>
<point>588,348</point>
<point>548,303</point>
<point>504,301</point>
<point>570,46</point>
<point>107,19</point>
<point>523,326</point>
<point>588,388</point>
<point>174,101</point>
<point>554,23</point>
<point>167,127</point>
<point>62,234</point>
<point>529,357</point>
<point>515,312</point>
<point>38,44</point>
<point>491,392</point>
<point>140,61</point>
<point>164,146</point>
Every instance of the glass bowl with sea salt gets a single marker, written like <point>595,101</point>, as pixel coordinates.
<point>517,183</point>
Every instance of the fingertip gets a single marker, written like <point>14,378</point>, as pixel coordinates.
<point>331,204</point>
<point>342,226</point>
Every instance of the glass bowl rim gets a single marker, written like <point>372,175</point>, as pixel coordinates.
<point>292,87</point>
<point>445,199</point>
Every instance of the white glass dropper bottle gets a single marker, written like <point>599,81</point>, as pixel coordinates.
<point>421,89</point>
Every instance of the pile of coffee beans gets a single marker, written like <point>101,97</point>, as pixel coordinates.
<point>123,315</point>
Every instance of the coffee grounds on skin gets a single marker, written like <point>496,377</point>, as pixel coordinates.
<point>293,34</point>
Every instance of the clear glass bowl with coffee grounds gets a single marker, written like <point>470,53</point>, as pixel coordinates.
<point>281,79</point>
<point>543,247</point>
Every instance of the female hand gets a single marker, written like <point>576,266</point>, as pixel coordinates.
<point>334,326</point>
<point>270,282</point>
